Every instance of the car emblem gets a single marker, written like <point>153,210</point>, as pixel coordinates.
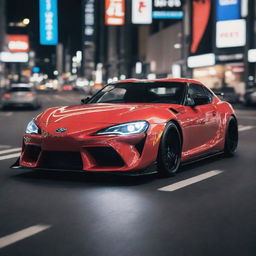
<point>61,130</point>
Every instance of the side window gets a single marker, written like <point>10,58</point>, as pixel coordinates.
<point>209,94</point>
<point>193,91</point>
<point>113,95</point>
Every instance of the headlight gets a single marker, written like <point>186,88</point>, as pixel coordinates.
<point>32,128</point>
<point>125,129</point>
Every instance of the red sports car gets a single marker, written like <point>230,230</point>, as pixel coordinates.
<point>131,124</point>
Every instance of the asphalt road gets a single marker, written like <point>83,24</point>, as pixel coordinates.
<point>49,213</point>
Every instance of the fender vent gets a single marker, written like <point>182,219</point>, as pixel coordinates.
<point>174,110</point>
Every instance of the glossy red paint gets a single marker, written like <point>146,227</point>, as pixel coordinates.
<point>202,129</point>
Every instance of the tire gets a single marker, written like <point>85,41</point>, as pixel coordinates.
<point>231,139</point>
<point>169,152</point>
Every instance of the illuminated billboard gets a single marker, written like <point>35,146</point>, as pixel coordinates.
<point>89,21</point>
<point>200,19</point>
<point>142,11</point>
<point>114,12</point>
<point>14,57</point>
<point>228,9</point>
<point>18,43</point>
<point>230,33</point>
<point>48,22</point>
<point>167,9</point>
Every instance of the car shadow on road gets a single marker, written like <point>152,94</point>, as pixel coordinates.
<point>63,178</point>
<point>78,179</point>
<point>202,163</point>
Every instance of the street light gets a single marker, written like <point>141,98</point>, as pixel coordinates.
<point>26,21</point>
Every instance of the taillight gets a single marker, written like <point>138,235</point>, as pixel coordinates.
<point>30,94</point>
<point>7,96</point>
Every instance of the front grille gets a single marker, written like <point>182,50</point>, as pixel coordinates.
<point>61,160</point>
<point>31,153</point>
<point>105,156</point>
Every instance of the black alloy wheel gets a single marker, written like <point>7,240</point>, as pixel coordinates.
<point>231,140</point>
<point>169,153</point>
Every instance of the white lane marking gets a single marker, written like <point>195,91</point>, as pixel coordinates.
<point>4,146</point>
<point>22,234</point>
<point>6,114</point>
<point>9,150</point>
<point>9,156</point>
<point>247,117</point>
<point>242,128</point>
<point>190,181</point>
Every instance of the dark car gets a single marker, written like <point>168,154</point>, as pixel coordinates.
<point>250,97</point>
<point>20,95</point>
<point>227,94</point>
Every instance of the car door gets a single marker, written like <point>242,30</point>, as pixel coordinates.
<point>203,122</point>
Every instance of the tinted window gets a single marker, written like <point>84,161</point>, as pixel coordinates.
<point>20,89</point>
<point>209,94</point>
<point>147,92</point>
<point>195,90</point>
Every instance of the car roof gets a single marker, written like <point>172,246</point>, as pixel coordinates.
<point>181,80</point>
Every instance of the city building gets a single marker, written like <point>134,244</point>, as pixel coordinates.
<point>209,40</point>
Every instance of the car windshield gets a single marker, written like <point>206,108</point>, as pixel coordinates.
<point>141,92</point>
<point>20,89</point>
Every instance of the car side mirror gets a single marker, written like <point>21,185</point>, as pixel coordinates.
<point>200,100</point>
<point>219,93</point>
<point>85,100</point>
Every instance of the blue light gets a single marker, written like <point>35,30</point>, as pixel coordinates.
<point>48,22</point>
<point>36,69</point>
<point>167,14</point>
<point>228,9</point>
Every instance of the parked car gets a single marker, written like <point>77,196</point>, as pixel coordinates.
<point>20,95</point>
<point>67,87</point>
<point>130,125</point>
<point>227,94</point>
<point>82,84</point>
<point>250,97</point>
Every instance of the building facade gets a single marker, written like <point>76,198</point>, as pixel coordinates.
<point>209,40</point>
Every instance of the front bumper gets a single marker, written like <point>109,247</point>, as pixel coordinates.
<point>90,153</point>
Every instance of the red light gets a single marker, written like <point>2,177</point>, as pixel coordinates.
<point>67,88</point>
<point>6,96</point>
<point>30,94</point>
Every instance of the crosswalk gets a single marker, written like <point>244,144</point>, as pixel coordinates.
<point>9,153</point>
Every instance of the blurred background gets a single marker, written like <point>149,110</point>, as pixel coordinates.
<point>80,45</point>
<point>56,52</point>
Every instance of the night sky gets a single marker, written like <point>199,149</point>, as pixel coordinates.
<point>70,29</point>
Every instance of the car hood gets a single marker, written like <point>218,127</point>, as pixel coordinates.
<point>102,115</point>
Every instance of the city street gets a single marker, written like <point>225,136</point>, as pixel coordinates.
<point>207,209</point>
